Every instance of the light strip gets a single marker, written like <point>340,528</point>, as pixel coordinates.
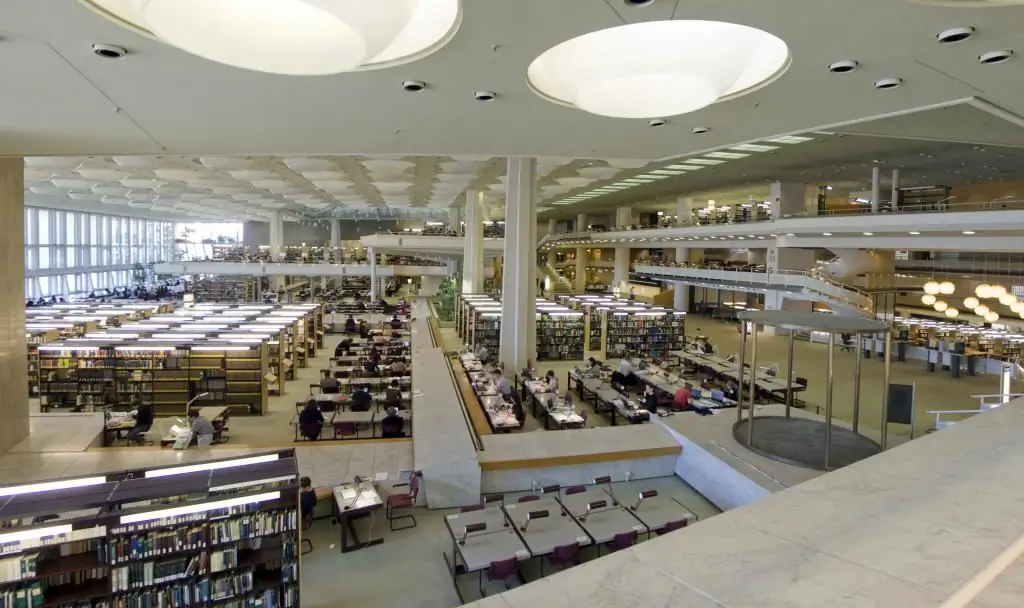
<point>64,484</point>
<point>201,508</point>
<point>212,466</point>
<point>33,534</point>
<point>225,348</point>
<point>248,484</point>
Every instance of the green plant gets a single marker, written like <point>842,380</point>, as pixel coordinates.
<point>446,300</point>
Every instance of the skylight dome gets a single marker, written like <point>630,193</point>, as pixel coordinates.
<point>658,68</point>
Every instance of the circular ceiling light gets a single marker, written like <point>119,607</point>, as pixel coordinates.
<point>971,303</point>
<point>295,37</point>
<point>946,287</point>
<point>952,313</point>
<point>931,287</point>
<point>992,316</point>
<point>983,291</point>
<point>928,299</point>
<point>658,68</point>
<point>981,310</point>
<point>941,306</point>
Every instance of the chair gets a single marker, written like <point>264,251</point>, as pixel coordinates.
<point>500,570</point>
<point>307,525</point>
<point>563,556</point>
<point>345,429</point>
<point>621,541</point>
<point>528,498</point>
<point>403,501</point>
<point>672,526</point>
<point>310,431</point>
<point>802,382</point>
<point>585,415</point>
<point>575,490</point>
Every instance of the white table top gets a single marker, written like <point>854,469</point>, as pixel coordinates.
<point>345,496</point>
<point>603,524</point>
<point>543,535</point>
<point>656,511</point>
<point>499,541</point>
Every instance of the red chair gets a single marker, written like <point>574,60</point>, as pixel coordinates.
<point>563,556</point>
<point>501,570</point>
<point>345,429</point>
<point>575,490</point>
<point>528,498</point>
<point>621,541</point>
<point>672,526</point>
<point>403,501</point>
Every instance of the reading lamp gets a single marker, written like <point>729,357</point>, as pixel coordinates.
<point>471,528</point>
<point>644,496</point>
<point>552,488</point>
<point>607,480</point>
<point>193,400</point>
<point>593,506</point>
<point>532,515</point>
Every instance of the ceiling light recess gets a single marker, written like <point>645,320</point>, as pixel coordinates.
<point>658,68</point>
<point>294,37</point>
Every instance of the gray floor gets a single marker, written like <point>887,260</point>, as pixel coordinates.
<point>799,441</point>
<point>408,571</point>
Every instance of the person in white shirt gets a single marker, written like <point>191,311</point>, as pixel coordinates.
<point>625,366</point>
<point>551,381</point>
<point>481,353</point>
<point>500,384</point>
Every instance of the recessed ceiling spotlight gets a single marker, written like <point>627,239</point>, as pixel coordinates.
<point>826,234</point>
<point>108,51</point>
<point>994,57</point>
<point>842,67</point>
<point>968,232</point>
<point>638,2</point>
<point>955,34</point>
<point>657,122</point>
<point>869,234</point>
<point>414,86</point>
<point>915,233</point>
<point>888,83</point>
<point>484,95</point>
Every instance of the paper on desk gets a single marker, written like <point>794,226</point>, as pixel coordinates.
<point>348,493</point>
<point>417,393</point>
<point>380,476</point>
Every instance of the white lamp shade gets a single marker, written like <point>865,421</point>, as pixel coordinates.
<point>1017,307</point>
<point>657,68</point>
<point>295,37</point>
<point>931,287</point>
<point>1007,299</point>
<point>941,306</point>
<point>971,303</point>
<point>952,313</point>
<point>996,291</point>
<point>992,316</point>
<point>981,310</point>
<point>982,291</point>
<point>946,288</point>
<point>928,299</point>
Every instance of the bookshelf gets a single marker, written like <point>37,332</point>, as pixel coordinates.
<point>34,338</point>
<point>652,332</point>
<point>560,336</point>
<point>485,329</point>
<point>225,535</point>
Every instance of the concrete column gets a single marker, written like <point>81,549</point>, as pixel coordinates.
<point>371,256</point>
<point>684,212</point>
<point>276,236</point>
<point>876,189</point>
<point>581,222</point>
<point>552,225</point>
<point>620,277</point>
<point>473,252</point>
<point>336,240</point>
<point>681,297</point>
<point>519,280</point>
<point>581,269</point>
<point>455,219</point>
<point>895,195</point>
<point>12,322</point>
<point>787,198</point>
<point>623,217</point>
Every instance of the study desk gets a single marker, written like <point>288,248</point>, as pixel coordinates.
<point>552,406</point>
<point>602,524</point>
<point>728,369</point>
<point>499,414</point>
<point>543,535</point>
<point>344,399</point>
<point>656,512</point>
<point>371,419</point>
<point>474,552</point>
<point>607,399</point>
<point>353,501</point>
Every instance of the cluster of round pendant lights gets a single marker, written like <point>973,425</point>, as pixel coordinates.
<point>933,289</point>
<point>997,292</point>
<point>650,69</point>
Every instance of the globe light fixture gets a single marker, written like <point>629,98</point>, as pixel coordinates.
<point>946,288</point>
<point>992,316</point>
<point>941,306</point>
<point>931,287</point>
<point>971,303</point>
<point>1007,299</point>
<point>952,313</point>
<point>928,299</point>
<point>655,69</point>
<point>981,310</point>
<point>294,37</point>
<point>1017,307</point>
<point>996,291</point>
<point>982,291</point>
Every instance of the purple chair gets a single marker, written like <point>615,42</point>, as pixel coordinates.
<point>528,498</point>
<point>501,570</point>
<point>345,429</point>
<point>621,541</point>
<point>672,526</point>
<point>584,414</point>
<point>403,501</point>
<point>563,556</point>
<point>575,490</point>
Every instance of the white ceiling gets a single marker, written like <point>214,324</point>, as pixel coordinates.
<point>59,98</point>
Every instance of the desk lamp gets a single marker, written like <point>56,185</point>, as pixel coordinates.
<point>532,515</point>
<point>552,488</point>
<point>471,528</point>
<point>607,480</point>
<point>194,399</point>
<point>593,506</point>
<point>644,496</point>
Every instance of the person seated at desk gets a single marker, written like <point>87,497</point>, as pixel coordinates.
<point>500,384</point>
<point>393,395</point>
<point>397,367</point>
<point>551,381</point>
<point>307,498</point>
<point>481,353</point>
<point>364,330</point>
<point>329,385</point>
<point>311,421</point>
<point>707,348</point>
<point>624,375</point>
<point>681,399</point>
<point>343,347</point>
<point>372,365</point>
<point>362,401</point>
<point>396,323</point>
<point>143,420</point>
<point>374,351</point>
<point>732,391</point>
<point>392,426</point>
<point>350,325</point>
<point>650,399</point>
<point>202,429</point>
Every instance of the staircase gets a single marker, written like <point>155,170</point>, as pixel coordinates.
<point>559,284</point>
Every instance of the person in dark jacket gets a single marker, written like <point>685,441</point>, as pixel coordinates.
<point>143,421</point>
<point>311,421</point>
<point>307,497</point>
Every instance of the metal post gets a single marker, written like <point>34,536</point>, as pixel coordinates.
<point>829,377</point>
<point>885,390</point>
<point>789,373</point>
<point>859,352</point>
<point>739,374</point>
<point>753,385</point>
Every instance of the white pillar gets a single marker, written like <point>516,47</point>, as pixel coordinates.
<point>620,277</point>
<point>787,199</point>
<point>519,282</point>
<point>684,212</point>
<point>681,297</point>
<point>581,222</point>
<point>455,219</point>
<point>336,240</point>
<point>372,257</point>
<point>276,236</point>
<point>623,217</point>
<point>473,252</point>
<point>552,225</point>
<point>895,195</point>
<point>581,269</point>
<point>876,188</point>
